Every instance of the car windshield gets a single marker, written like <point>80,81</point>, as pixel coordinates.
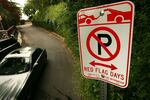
<point>14,65</point>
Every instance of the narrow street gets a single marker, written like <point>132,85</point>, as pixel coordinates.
<point>56,82</point>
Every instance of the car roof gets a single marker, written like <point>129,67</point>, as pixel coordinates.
<point>21,52</point>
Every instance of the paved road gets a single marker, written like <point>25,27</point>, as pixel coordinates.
<point>56,81</point>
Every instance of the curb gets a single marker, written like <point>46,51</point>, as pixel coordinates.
<point>52,33</point>
<point>58,37</point>
<point>61,39</point>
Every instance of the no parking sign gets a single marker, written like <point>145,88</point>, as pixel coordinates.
<point>105,38</point>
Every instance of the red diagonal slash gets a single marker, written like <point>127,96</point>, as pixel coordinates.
<point>102,44</point>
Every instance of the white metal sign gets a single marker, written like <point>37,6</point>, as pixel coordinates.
<point>105,38</point>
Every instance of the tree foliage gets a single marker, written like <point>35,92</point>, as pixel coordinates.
<point>9,12</point>
<point>29,10</point>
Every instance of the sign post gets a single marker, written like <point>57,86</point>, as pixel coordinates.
<point>105,39</point>
<point>103,91</point>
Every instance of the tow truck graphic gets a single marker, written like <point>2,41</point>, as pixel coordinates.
<point>114,15</point>
<point>87,19</point>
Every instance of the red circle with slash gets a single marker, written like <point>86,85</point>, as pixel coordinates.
<point>111,55</point>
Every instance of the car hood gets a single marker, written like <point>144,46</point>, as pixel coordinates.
<point>11,85</point>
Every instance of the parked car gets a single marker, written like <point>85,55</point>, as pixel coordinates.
<point>118,16</point>
<point>8,45</point>
<point>19,72</point>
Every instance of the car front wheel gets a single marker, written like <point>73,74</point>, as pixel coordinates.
<point>119,19</point>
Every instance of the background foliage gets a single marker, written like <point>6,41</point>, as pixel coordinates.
<point>10,13</point>
<point>60,16</point>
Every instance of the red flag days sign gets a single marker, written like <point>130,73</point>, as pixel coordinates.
<point>105,38</point>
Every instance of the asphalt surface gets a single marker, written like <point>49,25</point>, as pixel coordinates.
<point>56,82</point>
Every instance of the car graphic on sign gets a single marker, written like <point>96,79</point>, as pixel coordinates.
<point>118,16</point>
<point>86,19</point>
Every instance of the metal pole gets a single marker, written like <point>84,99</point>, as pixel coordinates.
<point>103,91</point>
